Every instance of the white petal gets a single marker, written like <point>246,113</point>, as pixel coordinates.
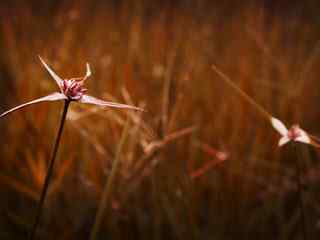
<point>52,97</point>
<point>304,138</point>
<point>92,100</point>
<point>279,126</point>
<point>58,80</point>
<point>283,141</point>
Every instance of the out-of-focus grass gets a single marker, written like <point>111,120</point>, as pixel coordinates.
<point>158,55</point>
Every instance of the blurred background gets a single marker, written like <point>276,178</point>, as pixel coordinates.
<point>200,163</point>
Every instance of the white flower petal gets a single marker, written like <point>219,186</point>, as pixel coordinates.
<point>52,97</point>
<point>304,138</point>
<point>92,100</point>
<point>58,80</point>
<point>279,126</point>
<point>283,141</point>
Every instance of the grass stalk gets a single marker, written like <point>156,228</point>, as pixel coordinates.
<point>242,93</point>
<point>50,172</point>
<point>109,185</point>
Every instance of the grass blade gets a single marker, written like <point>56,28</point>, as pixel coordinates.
<point>108,186</point>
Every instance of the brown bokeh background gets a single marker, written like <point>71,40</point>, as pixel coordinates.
<point>158,55</point>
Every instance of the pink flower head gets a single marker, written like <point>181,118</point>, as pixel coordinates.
<point>295,133</point>
<point>71,90</point>
<point>222,156</point>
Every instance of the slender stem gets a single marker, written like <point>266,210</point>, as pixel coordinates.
<point>108,186</point>
<point>50,171</point>
<point>242,93</point>
<point>300,193</point>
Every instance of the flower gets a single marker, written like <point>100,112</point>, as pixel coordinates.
<point>295,133</point>
<point>71,90</point>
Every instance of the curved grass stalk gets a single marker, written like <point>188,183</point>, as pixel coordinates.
<point>109,185</point>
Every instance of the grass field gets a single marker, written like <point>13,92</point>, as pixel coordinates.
<point>200,163</point>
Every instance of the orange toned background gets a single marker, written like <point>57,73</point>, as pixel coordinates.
<point>158,55</point>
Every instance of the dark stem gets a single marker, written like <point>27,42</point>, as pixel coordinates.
<point>50,171</point>
<point>300,193</point>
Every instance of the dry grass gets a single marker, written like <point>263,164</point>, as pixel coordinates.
<point>158,56</point>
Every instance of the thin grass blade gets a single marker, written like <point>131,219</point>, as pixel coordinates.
<point>109,185</point>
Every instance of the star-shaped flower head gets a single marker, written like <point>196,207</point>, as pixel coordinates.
<point>295,133</point>
<point>71,90</point>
